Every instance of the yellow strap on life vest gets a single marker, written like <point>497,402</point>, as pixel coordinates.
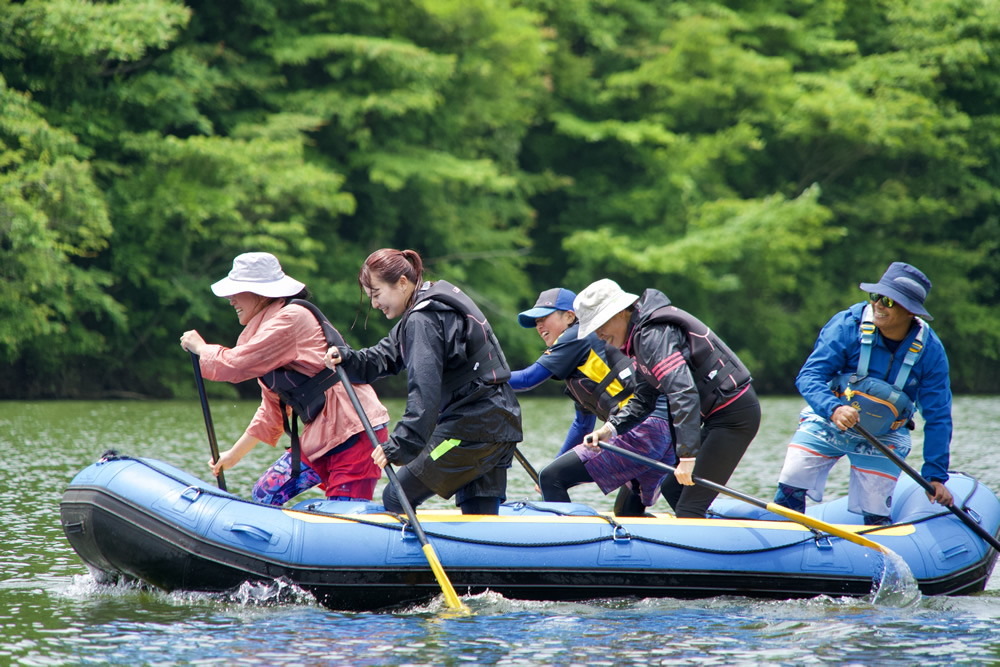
<point>596,369</point>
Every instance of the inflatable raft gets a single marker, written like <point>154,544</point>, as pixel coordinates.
<point>142,519</point>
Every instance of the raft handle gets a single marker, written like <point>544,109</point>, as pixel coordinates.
<point>975,515</point>
<point>620,534</point>
<point>407,532</point>
<point>252,531</point>
<point>823,542</point>
<point>191,493</point>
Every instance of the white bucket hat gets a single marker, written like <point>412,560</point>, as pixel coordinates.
<point>260,273</point>
<point>598,303</point>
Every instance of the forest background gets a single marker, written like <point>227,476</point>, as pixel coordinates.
<point>754,160</point>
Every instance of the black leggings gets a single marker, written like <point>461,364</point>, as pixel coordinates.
<point>725,437</point>
<point>417,492</point>
<point>557,478</point>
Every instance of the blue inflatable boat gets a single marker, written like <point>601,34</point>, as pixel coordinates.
<point>142,519</point>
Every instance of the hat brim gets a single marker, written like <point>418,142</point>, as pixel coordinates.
<point>286,286</point>
<point>606,311</point>
<point>528,317</point>
<point>906,302</point>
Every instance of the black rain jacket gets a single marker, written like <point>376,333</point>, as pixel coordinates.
<point>684,361</point>
<point>435,338</point>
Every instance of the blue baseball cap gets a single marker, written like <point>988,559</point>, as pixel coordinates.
<point>548,302</point>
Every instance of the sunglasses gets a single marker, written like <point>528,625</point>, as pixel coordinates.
<point>886,301</point>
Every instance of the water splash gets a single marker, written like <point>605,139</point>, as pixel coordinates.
<point>895,585</point>
<point>267,593</point>
<point>87,586</point>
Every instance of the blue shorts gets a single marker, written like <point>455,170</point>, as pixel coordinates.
<point>817,445</point>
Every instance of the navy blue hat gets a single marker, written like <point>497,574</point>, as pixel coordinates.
<point>904,284</point>
<point>548,302</point>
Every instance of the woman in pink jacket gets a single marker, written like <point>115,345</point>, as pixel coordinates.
<point>282,345</point>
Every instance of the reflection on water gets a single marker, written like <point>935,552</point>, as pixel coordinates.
<point>52,612</point>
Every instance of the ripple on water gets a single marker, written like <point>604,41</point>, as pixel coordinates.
<point>53,612</point>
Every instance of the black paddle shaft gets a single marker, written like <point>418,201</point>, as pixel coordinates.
<point>390,473</point>
<point>212,444</point>
<point>663,467</point>
<point>928,487</point>
<point>450,596</point>
<point>527,465</point>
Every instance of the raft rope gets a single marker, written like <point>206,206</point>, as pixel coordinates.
<point>619,533</point>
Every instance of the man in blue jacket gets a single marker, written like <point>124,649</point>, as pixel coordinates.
<point>874,364</point>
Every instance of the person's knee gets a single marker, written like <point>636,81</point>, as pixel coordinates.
<point>629,501</point>
<point>791,497</point>
<point>391,501</point>
<point>548,476</point>
<point>551,482</point>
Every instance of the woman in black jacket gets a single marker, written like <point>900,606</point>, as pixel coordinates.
<point>462,420</point>
<point>714,409</point>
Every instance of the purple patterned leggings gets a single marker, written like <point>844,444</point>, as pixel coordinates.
<point>277,486</point>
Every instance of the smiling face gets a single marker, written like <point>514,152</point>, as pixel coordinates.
<point>248,304</point>
<point>391,298</point>
<point>553,325</point>
<point>893,323</point>
<point>614,331</point>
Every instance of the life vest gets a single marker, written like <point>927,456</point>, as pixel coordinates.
<point>711,361</point>
<point>305,394</point>
<point>485,361</point>
<point>882,407</point>
<point>604,384</point>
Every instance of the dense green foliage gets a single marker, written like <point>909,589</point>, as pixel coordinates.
<point>754,160</point>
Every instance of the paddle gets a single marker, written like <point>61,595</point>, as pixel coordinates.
<point>927,486</point>
<point>792,515</point>
<point>450,597</point>
<point>212,444</point>
<point>527,466</point>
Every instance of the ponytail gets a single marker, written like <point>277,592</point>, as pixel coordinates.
<point>389,265</point>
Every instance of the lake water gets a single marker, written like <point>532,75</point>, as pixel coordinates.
<point>53,613</point>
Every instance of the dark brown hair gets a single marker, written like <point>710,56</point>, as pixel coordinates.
<point>389,265</point>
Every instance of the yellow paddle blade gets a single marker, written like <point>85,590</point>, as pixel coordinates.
<point>450,596</point>
<point>805,520</point>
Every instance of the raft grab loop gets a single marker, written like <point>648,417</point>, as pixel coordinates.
<point>191,494</point>
<point>406,531</point>
<point>823,542</point>
<point>620,534</point>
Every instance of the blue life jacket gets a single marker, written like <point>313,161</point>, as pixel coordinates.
<point>883,407</point>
